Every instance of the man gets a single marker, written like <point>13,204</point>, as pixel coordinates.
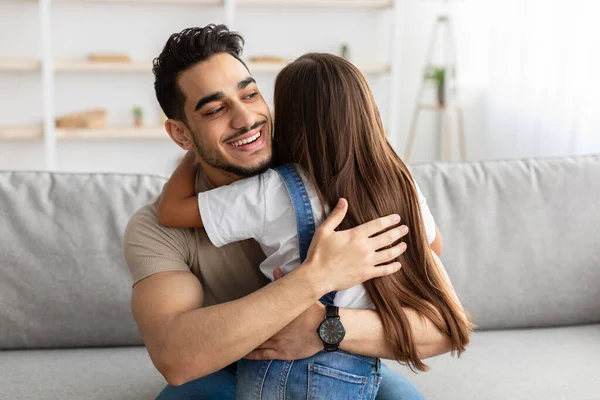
<point>200,309</point>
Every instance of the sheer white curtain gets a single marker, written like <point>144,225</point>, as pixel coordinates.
<point>539,72</point>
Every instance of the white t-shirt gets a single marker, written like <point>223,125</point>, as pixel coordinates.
<point>260,208</point>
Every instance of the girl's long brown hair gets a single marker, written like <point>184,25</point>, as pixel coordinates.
<point>326,120</point>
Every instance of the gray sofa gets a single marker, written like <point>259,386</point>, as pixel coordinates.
<point>521,248</point>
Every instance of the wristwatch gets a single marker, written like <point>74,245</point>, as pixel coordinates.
<point>331,331</point>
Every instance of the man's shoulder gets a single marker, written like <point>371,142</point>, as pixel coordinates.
<point>150,247</point>
<point>145,217</point>
<point>143,227</point>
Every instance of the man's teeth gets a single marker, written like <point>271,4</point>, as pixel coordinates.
<point>246,141</point>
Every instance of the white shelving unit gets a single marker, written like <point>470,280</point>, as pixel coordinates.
<point>319,3</point>
<point>49,66</point>
<point>284,3</point>
<point>199,2</point>
<point>33,65</point>
<point>125,132</point>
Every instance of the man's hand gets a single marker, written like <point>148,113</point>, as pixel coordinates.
<point>338,260</point>
<point>296,341</point>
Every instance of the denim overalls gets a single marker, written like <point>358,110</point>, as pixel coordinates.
<point>326,375</point>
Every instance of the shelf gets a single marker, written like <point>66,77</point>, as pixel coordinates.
<point>273,67</point>
<point>24,132</point>
<point>200,2</point>
<point>64,65</point>
<point>35,132</point>
<point>19,64</point>
<point>94,66</point>
<point>127,132</point>
<point>319,3</point>
<point>374,68</point>
<point>284,3</point>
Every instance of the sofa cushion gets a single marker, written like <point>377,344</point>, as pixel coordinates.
<point>75,374</point>
<point>551,363</point>
<point>63,278</point>
<point>521,238</point>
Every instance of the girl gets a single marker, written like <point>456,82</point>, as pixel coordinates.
<point>329,144</point>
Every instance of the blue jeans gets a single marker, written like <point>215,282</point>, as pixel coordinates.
<point>221,386</point>
<point>332,376</point>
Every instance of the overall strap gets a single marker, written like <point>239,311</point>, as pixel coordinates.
<point>305,222</point>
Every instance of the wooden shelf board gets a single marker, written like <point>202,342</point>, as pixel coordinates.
<point>319,3</point>
<point>19,64</point>
<point>273,67</point>
<point>65,65</point>
<point>94,66</point>
<point>374,68</point>
<point>35,132</point>
<point>199,2</point>
<point>23,132</point>
<point>127,132</point>
<point>250,3</point>
<point>82,65</point>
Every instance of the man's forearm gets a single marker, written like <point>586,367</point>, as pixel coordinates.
<point>204,340</point>
<point>365,334</point>
<point>187,341</point>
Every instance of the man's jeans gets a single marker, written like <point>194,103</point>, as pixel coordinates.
<point>332,376</point>
<point>221,386</point>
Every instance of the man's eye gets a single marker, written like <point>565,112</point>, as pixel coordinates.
<point>215,111</point>
<point>251,95</point>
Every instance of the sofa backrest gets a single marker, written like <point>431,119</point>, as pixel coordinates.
<point>63,278</point>
<point>521,238</point>
<point>520,245</point>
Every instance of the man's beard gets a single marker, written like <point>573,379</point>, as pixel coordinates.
<point>212,158</point>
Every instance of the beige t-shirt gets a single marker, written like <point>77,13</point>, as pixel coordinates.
<point>226,273</point>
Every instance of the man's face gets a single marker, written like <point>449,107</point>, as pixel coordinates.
<point>228,118</point>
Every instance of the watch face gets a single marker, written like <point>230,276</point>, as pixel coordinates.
<point>332,331</point>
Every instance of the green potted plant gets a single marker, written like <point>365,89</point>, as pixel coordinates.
<point>138,116</point>
<point>437,75</point>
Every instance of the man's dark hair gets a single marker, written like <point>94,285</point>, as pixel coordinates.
<point>183,50</point>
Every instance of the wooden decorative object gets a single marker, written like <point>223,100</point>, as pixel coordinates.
<point>88,119</point>
<point>109,57</point>
<point>267,59</point>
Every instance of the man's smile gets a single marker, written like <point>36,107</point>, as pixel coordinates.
<point>250,141</point>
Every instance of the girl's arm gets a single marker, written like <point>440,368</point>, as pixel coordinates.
<point>178,206</point>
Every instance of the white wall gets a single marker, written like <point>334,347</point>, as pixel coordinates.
<point>141,31</point>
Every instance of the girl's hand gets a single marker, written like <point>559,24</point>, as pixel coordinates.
<point>340,260</point>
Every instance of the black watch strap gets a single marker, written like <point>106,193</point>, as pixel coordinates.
<point>332,311</point>
<point>331,347</point>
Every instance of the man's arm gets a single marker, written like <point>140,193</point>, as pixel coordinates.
<point>364,330</point>
<point>186,342</point>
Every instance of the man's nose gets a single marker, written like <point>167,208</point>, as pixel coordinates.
<point>242,117</point>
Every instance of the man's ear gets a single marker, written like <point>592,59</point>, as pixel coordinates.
<point>179,133</point>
